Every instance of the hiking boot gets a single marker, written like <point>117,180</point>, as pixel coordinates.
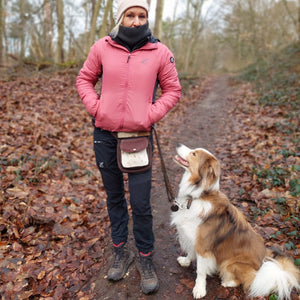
<point>121,261</point>
<point>149,280</point>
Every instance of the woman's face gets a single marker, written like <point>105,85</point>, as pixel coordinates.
<point>134,17</point>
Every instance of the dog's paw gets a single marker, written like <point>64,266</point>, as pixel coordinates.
<point>184,261</point>
<point>229,283</point>
<point>199,291</point>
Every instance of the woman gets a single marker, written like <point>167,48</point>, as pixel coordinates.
<point>130,63</point>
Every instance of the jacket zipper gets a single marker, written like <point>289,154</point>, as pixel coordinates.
<point>126,93</point>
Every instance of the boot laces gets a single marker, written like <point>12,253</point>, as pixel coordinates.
<point>147,267</point>
<point>119,254</point>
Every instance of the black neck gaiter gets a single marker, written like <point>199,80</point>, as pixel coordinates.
<point>133,37</point>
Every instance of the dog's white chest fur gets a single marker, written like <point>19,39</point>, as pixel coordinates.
<point>187,222</point>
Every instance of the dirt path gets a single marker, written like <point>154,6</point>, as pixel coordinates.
<point>204,122</point>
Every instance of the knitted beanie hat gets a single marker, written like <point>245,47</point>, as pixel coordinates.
<point>123,5</point>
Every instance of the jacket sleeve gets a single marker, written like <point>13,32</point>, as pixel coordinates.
<point>170,86</point>
<point>87,79</point>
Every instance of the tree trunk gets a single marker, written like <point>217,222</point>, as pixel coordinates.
<point>94,22</point>
<point>22,33</point>
<point>112,17</point>
<point>193,28</point>
<point>185,40</point>
<point>86,29</point>
<point>36,49</point>
<point>48,31</point>
<point>295,20</point>
<point>299,20</point>
<point>158,18</point>
<point>105,21</point>
<point>1,32</point>
<point>61,30</point>
<point>175,11</point>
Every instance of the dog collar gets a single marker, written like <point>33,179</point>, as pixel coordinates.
<point>179,205</point>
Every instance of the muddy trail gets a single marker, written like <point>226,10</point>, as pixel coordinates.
<point>203,123</point>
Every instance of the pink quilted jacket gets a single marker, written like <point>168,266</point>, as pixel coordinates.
<point>128,83</point>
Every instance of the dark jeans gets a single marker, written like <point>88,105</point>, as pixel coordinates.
<point>105,147</point>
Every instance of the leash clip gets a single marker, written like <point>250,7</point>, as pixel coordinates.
<point>177,205</point>
<point>174,207</point>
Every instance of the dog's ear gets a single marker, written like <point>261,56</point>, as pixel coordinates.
<point>213,173</point>
<point>214,170</point>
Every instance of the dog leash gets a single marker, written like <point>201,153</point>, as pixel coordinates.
<point>170,193</point>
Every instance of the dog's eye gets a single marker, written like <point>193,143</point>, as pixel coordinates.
<point>194,154</point>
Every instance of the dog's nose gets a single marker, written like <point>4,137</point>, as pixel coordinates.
<point>179,145</point>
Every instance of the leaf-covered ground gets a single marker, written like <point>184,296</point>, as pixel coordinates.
<point>263,161</point>
<point>51,227</point>
<point>53,220</point>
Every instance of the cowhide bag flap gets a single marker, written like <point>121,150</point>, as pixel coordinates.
<point>134,153</point>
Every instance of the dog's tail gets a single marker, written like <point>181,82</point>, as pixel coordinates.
<point>276,275</point>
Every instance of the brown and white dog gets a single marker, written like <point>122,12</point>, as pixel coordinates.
<point>216,234</point>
